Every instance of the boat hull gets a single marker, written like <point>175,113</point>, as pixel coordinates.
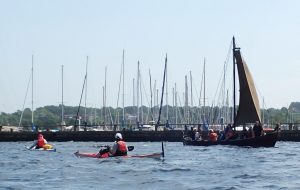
<point>97,155</point>
<point>269,140</point>
<point>42,149</point>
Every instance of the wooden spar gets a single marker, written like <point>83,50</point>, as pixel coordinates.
<point>162,95</point>
<point>234,83</point>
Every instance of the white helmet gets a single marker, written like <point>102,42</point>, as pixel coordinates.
<point>118,136</point>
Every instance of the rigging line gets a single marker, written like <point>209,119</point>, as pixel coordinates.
<point>195,90</point>
<point>145,91</point>
<point>222,88</point>
<point>119,92</point>
<point>119,85</point>
<point>24,101</point>
<point>259,92</point>
<point>223,71</point>
<point>111,119</point>
<point>201,88</point>
<point>200,111</point>
<point>180,108</point>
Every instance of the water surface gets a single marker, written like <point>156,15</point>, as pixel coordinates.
<point>184,167</point>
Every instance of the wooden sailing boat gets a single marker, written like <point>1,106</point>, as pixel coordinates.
<point>248,110</point>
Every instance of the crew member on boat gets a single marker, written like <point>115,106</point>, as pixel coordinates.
<point>119,148</point>
<point>229,133</point>
<point>212,136</point>
<point>258,129</point>
<point>197,135</point>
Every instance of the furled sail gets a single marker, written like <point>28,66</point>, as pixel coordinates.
<point>248,110</point>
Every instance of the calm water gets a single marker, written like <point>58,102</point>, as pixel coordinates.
<point>184,167</point>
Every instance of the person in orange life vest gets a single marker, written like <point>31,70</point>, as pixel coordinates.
<point>39,143</point>
<point>119,148</point>
<point>212,136</point>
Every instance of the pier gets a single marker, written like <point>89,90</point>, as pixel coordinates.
<point>129,136</point>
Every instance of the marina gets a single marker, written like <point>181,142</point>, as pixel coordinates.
<point>149,95</point>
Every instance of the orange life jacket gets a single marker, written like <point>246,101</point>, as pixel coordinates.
<point>41,142</point>
<point>122,149</point>
<point>213,137</point>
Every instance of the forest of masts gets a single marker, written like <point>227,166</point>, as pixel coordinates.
<point>184,109</point>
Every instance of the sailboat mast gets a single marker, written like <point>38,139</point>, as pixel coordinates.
<point>167,104</point>
<point>204,98</point>
<point>86,67</point>
<point>103,109</point>
<point>191,110</point>
<point>186,104</point>
<point>162,94</point>
<point>137,94</point>
<point>105,96</point>
<point>234,83</point>
<point>173,96</point>
<point>32,112</point>
<point>62,95</point>
<point>123,120</point>
<point>175,104</point>
<point>151,95</point>
<point>133,98</point>
<point>141,93</point>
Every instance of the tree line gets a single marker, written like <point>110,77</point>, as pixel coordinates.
<point>51,116</point>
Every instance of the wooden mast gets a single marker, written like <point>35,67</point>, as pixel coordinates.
<point>234,83</point>
<point>162,95</point>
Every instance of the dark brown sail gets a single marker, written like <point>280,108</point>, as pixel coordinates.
<point>248,110</point>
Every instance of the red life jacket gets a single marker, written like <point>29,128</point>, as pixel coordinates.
<point>213,137</point>
<point>122,149</point>
<point>41,142</point>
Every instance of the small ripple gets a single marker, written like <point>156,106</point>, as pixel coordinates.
<point>244,176</point>
<point>171,170</point>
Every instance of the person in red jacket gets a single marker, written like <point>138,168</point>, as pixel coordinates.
<point>212,136</point>
<point>120,147</point>
<point>39,143</point>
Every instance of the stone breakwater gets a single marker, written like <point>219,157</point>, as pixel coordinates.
<point>101,136</point>
<point>108,136</point>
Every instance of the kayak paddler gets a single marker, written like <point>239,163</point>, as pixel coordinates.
<point>119,147</point>
<point>39,143</point>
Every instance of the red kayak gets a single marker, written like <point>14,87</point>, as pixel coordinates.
<point>106,155</point>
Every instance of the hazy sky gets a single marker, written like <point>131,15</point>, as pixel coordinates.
<point>64,32</point>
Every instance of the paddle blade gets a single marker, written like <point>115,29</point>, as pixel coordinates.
<point>130,148</point>
<point>162,149</point>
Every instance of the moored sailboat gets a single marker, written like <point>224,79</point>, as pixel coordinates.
<point>248,110</point>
